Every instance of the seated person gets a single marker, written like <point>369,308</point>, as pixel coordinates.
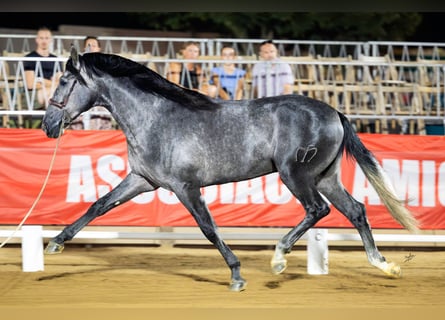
<point>46,77</point>
<point>104,120</point>
<point>228,78</point>
<point>270,77</point>
<point>190,75</point>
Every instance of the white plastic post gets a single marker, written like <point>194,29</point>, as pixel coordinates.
<point>317,252</point>
<point>32,249</point>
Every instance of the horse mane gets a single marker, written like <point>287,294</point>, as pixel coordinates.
<point>143,78</point>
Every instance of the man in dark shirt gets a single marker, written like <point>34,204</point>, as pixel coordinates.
<point>45,78</point>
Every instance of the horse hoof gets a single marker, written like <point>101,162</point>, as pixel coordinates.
<point>238,285</point>
<point>54,248</point>
<point>393,270</point>
<point>278,266</point>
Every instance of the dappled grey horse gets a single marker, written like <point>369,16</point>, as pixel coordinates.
<point>181,140</point>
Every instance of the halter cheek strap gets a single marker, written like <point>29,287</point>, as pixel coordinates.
<point>62,104</point>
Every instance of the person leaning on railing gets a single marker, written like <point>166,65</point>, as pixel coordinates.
<point>191,75</point>
<point>271,77</point>
<point>44,79</point>
<point>228,78</point>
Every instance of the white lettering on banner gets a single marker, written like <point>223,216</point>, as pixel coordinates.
<point>250,189</point>
<point>362,189</point>
<point>167,197</point>
<point>210,193</point>
<point>428,183</point>
<point>227,192</point>
<point>413,180</point>
<point>405,179</point>
<point>441,182</point>
<point>276,193</point>
<point>81,186</point>
<point>106,167</point>
<point>143,198</point>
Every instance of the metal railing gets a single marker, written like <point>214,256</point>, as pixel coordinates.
<point>157,46</point>
<point>166,46</point>
<point>378,89</point>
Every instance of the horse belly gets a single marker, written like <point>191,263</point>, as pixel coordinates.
<point>232,168</point>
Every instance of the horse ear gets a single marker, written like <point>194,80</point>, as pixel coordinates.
<point>75,57</point>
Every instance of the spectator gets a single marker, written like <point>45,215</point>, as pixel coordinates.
<point>189,74</point>
<point>104,120</point>
<point>270,77</point>
<point>45,77</point>
<point>228,78</point>
<point>91,44</point>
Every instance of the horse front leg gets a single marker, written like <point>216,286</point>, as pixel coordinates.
<point>130,187</point>
<point>192,199</point>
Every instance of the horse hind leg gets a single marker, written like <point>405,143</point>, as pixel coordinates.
<point>356,214</point>
<point>316,208</point>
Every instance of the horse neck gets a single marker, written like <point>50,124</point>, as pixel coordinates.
<point>129,111</point>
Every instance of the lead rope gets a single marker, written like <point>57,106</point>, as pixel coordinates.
<point>41,190</point>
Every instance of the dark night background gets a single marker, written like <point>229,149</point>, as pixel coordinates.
<point>431,29</point>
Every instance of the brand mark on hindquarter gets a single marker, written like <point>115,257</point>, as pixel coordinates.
<point>305,154</point>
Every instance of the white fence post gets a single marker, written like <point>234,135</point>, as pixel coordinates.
<point>32,249</point>
<point>317,251</point>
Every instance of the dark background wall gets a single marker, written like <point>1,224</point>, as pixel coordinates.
<point>430,28</point>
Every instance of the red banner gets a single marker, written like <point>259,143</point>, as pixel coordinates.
<point>90,163</point>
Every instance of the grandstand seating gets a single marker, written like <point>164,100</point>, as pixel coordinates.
<point>371,88</point>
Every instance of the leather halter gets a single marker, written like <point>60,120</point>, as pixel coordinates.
<point>62,104</point>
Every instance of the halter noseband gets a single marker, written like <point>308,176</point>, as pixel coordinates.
<point>57,104</point>
<point>62,104</point>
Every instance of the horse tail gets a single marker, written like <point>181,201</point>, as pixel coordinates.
<point>376,175</point>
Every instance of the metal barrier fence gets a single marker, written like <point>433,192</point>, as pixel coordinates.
<point>393,94</point>
<point>157,46</point>
<point>316,242</point>
<point>166,46</point>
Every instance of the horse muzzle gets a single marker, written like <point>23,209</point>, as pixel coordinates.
<point>52,121</point>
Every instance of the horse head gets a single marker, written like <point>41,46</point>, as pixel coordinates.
<point>71,97</point>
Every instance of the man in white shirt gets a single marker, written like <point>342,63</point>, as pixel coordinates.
<point>270,77</point>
